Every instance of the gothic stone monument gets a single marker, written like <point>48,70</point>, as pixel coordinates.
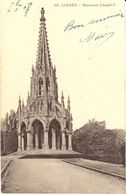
<point>44,123</point>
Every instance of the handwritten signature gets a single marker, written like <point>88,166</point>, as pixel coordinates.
<point>73,26</point>
<point>96,38</point>
<point>19,5</point>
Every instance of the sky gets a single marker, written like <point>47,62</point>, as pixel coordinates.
<point>89,70</point>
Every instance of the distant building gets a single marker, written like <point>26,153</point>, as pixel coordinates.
<point>44,122</point>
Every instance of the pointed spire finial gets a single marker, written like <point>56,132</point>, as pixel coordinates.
<point>68,103</point>
<point>42,11</point>
<point>68,99</point>
<point>23,103</point>
<point>19,106</point>
<point>62,97</point>
<point>62,100</point>
<point>32,67</point>
<point>32,70</point>
<point>42,15</point>
<point>19,100</point>
<point>28,96</point>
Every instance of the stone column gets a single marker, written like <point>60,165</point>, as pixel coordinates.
<point>19,142</point>
<point>42,140</point>
<point>63,141</point>
<point>46,139</point>
<point>36,140</point>
<point>58,142</point>
<point>28,140</point>
<point>70,142</point>
<point>53,140</point>
<point>32,137</point>
<point>22,142</point>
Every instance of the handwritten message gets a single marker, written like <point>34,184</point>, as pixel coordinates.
<point>94,38</point>
<point>72,24</point>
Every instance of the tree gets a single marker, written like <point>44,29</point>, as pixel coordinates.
<point>97,142</point>
<point>12,120</point>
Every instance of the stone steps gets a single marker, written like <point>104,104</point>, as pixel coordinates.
<point>51,154</point>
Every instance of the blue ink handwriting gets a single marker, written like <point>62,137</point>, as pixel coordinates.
<point>95,21</point>
<point>98,39</point>
<point>73,26</point>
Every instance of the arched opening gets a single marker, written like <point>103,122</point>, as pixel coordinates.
<point>47,84</point>
<point>40,86</point>
<point>67,125</point>
<point>55,136</point>
<point>23,136</point>
<point>37,134</point>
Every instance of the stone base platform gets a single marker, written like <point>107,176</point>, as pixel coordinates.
<point>50,154</point>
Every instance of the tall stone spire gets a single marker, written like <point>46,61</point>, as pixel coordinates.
<point>43,55</point>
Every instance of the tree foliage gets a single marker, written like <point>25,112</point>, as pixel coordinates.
<point>98,143</point>
<point>9,123</point>
<point>8,133</point>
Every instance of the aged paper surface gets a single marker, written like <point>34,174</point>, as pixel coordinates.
<point>86,43</point>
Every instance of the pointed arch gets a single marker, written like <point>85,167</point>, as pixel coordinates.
<point>55,136</point>
<point>47,84</point>
<point>37,134</point>
<point>23,136</point>
<point>56,119</point>
<point>67,125</point>
<point>40,86</point>
<point>22,127</point>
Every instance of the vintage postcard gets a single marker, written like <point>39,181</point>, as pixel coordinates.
<point>62,96</point>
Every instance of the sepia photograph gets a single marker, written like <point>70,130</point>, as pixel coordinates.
<point>62,96</point>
